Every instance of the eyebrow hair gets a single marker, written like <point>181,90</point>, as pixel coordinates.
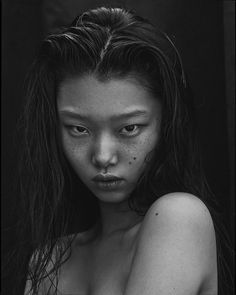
<point>75,115</point>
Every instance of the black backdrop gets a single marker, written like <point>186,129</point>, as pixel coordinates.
<point>203,33</point>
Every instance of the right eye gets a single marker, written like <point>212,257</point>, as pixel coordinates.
<point>77,130</point>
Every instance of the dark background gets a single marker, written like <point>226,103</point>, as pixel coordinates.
<point>203,31</point>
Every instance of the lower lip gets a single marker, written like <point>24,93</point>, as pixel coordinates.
<point>109,185</point>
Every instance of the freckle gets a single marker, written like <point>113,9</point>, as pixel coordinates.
<point>130,163</point>
<point>134,158</point>
<point>156,214</point>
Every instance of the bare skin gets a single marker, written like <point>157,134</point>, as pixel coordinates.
<point>100,266</point>
<point>126,262</point>
<point>172,250</point>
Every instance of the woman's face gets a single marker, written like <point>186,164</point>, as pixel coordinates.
<point>108,129</point>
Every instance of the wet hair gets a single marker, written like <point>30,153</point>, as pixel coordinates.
<point>107,43</point>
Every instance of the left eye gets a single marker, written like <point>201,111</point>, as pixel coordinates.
<point>130,129</point>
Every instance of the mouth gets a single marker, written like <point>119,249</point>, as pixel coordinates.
<point>107,182</point>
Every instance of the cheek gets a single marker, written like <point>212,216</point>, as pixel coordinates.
<point>75,154</point>
<point>141,152</point>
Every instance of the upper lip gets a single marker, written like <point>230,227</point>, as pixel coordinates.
<point>106,177</point>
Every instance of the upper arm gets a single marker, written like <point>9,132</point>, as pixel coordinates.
<point>43,284</point>
<point>28,287</point>
<point>175,249</point>
<point>28,290</point>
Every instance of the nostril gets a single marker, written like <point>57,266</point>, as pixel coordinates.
<point>104,160</point>
<point>105,151</point>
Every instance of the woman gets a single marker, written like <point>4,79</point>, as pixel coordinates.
<point>109,119</point>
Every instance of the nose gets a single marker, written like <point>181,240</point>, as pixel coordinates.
<point>104,153</point>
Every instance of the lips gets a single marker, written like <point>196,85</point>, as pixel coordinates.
<point>107,181</point>
<point>106,178</point>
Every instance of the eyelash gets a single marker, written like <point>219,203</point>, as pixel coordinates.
<point>125,134</point>
<point>133,132</point>
<point>73,132</point>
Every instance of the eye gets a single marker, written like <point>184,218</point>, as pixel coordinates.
<point>130,130</point>
<point>77,130</point>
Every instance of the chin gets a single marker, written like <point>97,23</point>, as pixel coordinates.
<point>111,197</point>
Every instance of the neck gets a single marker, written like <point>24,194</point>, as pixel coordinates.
<point>116,218</point>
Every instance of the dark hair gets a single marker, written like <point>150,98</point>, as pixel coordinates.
<point>105,42</point>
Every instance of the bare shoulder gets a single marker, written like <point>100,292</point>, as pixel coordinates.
<point>176,248</point>
<point>181,206</point>
<point>48,262</point>
<point>29,284</point>
<point>177,215</point>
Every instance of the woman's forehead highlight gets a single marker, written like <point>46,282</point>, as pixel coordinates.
<point>118,97</point>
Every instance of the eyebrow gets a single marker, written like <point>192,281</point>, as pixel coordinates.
<point>126,115</point>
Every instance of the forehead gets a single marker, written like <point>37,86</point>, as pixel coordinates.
<point>88,95</point>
